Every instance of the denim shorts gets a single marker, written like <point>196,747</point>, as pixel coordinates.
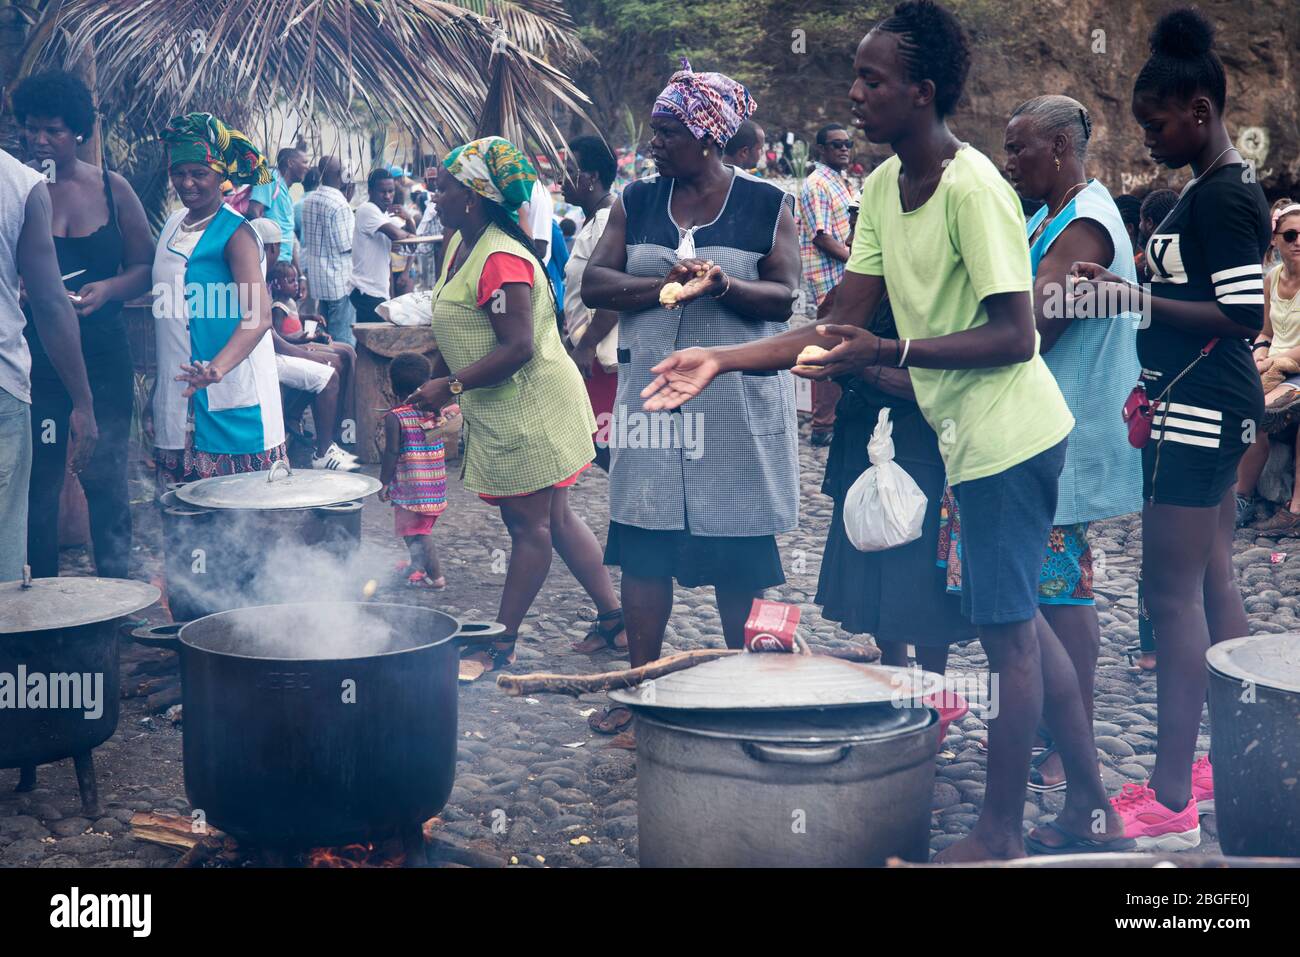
<point>1005,520</point>
<point>15,471</point>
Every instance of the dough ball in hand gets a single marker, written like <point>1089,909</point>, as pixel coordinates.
<point>668,294</point>
<point>811,354</point>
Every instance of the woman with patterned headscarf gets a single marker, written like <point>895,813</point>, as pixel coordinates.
<point>699,256</point>
<point>211,314</point>
<point>528,421</point>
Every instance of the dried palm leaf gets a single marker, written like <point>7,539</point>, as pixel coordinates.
<point>439,70</point>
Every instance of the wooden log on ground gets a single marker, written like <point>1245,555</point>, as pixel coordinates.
<point>575,685</point>
<point>162,700</point>
<point>169,830</point>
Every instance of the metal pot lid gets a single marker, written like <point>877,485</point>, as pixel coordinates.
<point>773,680</point>
<point>280,487</point>
<point>874,722</point>
<point>1271,661</point>
<point>69,602</point>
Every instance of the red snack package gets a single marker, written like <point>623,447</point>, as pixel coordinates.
<point>771,626</point>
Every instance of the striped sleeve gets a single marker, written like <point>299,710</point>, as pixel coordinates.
<point>1228,224</point>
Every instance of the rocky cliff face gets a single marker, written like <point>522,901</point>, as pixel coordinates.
<point>1091,50</point>
<point>1094,50</point>
<point>1088,49</point>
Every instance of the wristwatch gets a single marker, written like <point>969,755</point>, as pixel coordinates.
<point>455,386</point>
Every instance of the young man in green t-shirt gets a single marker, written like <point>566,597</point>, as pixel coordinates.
<point>940,227</point>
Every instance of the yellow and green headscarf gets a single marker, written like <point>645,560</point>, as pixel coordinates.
<point>494,168</point>
<point>202,138</point>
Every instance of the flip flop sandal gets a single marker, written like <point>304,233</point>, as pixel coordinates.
<point>1036,776</point>
<point>497,658</point>
<point>1075,844</point>
<point>624,739</point>
<point>608,634</point>
<point>1283,520</point>
<point>600,721</point>
<point>471,670</point>
<point>422,580</point>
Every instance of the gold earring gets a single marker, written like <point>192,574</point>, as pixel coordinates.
<point>1058,163</point>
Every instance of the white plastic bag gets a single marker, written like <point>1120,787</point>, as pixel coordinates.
<point>885,507</point>
<point>411,309</point>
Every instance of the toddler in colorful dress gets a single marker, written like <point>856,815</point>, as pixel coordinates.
<point>414,472</point>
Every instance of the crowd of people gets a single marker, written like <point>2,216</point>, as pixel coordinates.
<point>1051,355</point>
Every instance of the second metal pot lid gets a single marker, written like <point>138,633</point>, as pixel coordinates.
<point>69,602</point>
<point>864,723</point>
<point>1270,661</point>
<point>278,487</point>
<point>771,680</point>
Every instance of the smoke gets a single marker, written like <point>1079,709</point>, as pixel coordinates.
<point>226,559</point>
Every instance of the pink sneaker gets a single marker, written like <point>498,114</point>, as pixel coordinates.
<point>1203,785</point>
<point>1152,825</point>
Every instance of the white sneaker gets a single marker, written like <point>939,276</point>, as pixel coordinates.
<point>334,460</point>
<point>336,449</point>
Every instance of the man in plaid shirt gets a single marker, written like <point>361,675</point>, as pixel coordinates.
<point>823,245</point>
<point>327,226</point>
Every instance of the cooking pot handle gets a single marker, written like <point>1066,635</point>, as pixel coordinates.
<point>478,630</point>
<point>784,754</point>
<point>279,464</point>
<point>159,636</point>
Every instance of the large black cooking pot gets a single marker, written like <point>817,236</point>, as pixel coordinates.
<point>60,634</point>
<point>230,540</point>
<point>306,728</point>
<point>1254,716</point>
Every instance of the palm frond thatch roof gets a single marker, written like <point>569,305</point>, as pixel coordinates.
<point>442,71</point>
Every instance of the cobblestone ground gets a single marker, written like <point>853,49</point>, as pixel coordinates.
<point>535,759</point>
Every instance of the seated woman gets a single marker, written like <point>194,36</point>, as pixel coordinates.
<point>307,360</point>
<point>1277,357</point>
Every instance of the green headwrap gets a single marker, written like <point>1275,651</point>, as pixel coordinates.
<point>202,138</point>
<point>494,168</point>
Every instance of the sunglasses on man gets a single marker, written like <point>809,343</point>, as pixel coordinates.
<point>839,144</point>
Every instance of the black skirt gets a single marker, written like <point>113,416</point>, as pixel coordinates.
<point>749,562</point>
<point>899,594</point>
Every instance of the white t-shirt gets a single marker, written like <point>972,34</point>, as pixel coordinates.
<point>16,184</point>
<point>370,248</point>
<point>577,315</point>
<point>538,212</point>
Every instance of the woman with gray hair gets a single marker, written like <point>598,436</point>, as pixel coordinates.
<point>1095,364</point>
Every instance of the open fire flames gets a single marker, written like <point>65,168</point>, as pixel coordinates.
<point>388,854</point>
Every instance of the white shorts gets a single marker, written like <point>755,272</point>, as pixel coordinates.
<point>303,374</point>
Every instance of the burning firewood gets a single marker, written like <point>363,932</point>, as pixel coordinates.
<point>549,683</point>
<point>168,830</point>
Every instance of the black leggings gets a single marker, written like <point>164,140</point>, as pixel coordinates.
<point>103,479</point>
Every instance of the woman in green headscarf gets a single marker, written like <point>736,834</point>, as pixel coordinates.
<point>212,313</point>
<point>528,421</point>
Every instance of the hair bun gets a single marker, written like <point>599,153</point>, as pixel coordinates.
<point>1183,33</point>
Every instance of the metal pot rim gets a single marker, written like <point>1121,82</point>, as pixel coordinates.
<point>647,714</point>
<point>93,601</point>
<point>1220,657</point>
<point>386,654</point>
<point>265,492</point>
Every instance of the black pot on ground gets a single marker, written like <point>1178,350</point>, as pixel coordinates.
<point>1254,714</point>
<point>59,685</point>
<point>322,724</point>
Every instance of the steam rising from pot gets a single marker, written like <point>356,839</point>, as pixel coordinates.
<point>240,559</point>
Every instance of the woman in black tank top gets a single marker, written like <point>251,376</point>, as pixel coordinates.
<point>104,266</point>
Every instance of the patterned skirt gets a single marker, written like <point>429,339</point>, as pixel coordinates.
<point>177,466</point>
